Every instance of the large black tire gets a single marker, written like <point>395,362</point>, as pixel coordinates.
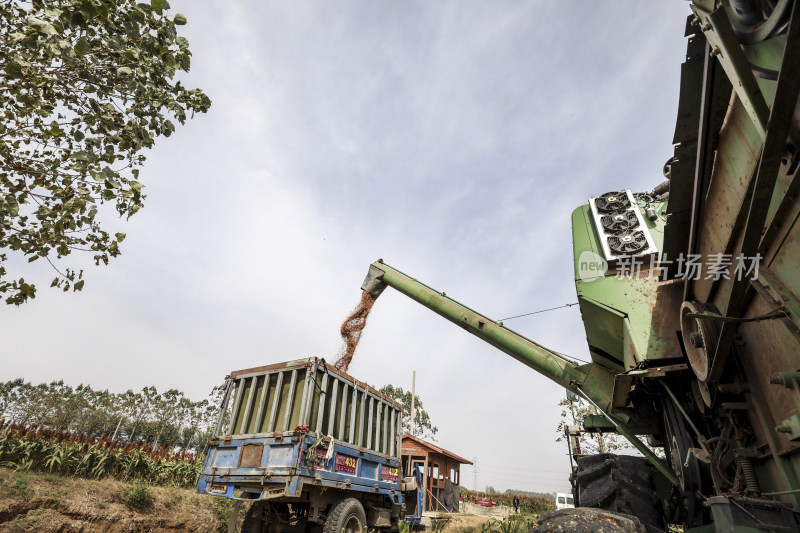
<point>585,520</point>
<point>620,484</point>
<point>252,520</point>
<point>347,516</point>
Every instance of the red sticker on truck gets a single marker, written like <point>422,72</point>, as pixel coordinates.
<point>389,473</point>
<point>346,464</point>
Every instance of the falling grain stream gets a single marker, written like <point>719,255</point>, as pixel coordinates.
<point>351,331</point>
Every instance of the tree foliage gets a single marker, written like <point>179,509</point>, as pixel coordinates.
<point>165,420</point>
<point>591,443</point>
<point>423,427</point>
<point>85,86</point>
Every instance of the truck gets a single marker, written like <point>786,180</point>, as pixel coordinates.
<point>690,299</point>
<point>309,447</point>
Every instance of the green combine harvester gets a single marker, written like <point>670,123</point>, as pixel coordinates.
<point>690,296</point>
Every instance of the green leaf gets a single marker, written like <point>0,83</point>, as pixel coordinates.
<point>124,71</point>
<point>14,70</point>
<point>82,47</point>
<point>179,19</point>
<point>42,26</point>
<point>120,236</point>
<point>157,5</point>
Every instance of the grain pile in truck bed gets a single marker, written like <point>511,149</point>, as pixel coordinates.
<point>351,330</point>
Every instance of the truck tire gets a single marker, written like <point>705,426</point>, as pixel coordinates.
<point>620,484</point>
<point>347,516</point>
<point>252,520</point>
<point>586,520</point>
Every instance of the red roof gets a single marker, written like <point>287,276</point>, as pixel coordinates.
<point>437,449</point>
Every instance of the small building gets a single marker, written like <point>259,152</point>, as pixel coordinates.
<point>441,472</point>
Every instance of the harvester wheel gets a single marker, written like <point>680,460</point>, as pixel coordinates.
<point>620,484</point>
<point>346,517</point>
<point>585,520</point>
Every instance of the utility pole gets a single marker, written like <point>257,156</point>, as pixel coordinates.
<point>413,397</point>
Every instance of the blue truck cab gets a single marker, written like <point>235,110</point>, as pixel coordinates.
<point>307,445</point>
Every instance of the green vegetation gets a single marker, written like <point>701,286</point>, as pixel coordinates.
<point>35,501</point>
<point>512,524</point>
<point>26,448</point>
<point>167,419</point>
<point>84,88</point>
<point>423,427</point>
<point>529,503</point>
<point>139,497</point>
<point>20,488</point>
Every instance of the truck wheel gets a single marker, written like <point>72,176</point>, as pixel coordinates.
<point>346,517</point>
<point>263,518</point>
<point>586,520</point>
<point>620,484</point>
<point>252,520</point>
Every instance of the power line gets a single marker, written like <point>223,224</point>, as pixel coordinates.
<point>540,311</point>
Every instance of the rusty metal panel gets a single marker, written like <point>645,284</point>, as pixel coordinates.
<point>251,455</point>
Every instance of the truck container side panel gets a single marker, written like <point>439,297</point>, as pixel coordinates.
<point>236,412</point>
<point>319,393</point>
<point>256,386</point>
<point>280,455</point>
<point>377,427</point>
<point>350,424</point>
<point>330,425</point>
<point>362,408</point>
<point>354,416</point>
<point>345,417</point>
<point>224,457</point>
<point>341,430</point>
<point>296,401</point>
<point>307,386</point>
<point>268,405</point>
<point>287,395</point>
<point>370,422</point>
<point>261,404</point>
<point>361,471</point>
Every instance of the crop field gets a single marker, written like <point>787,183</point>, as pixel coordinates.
<point>39,449</point>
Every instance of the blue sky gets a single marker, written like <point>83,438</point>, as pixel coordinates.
<point>452,139</point>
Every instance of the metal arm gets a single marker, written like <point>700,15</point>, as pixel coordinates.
<point>593,382</point>
<point>545,361</point>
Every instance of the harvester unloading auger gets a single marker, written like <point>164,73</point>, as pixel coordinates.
<point>593,382</point>
<point>690,295</point>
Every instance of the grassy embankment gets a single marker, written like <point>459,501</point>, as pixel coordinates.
<point>31,501</point>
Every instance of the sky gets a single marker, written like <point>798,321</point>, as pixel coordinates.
<point>453,139</point>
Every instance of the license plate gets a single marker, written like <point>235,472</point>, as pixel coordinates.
<point>389,473</point>
<point>346,464</point>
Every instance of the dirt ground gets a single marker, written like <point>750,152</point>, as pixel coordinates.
<point>49,503</point>
<point>463,522</point>
<point>473,523</point>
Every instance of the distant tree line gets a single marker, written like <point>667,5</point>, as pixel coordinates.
<point>167,420</point>
<point>549,496</point>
